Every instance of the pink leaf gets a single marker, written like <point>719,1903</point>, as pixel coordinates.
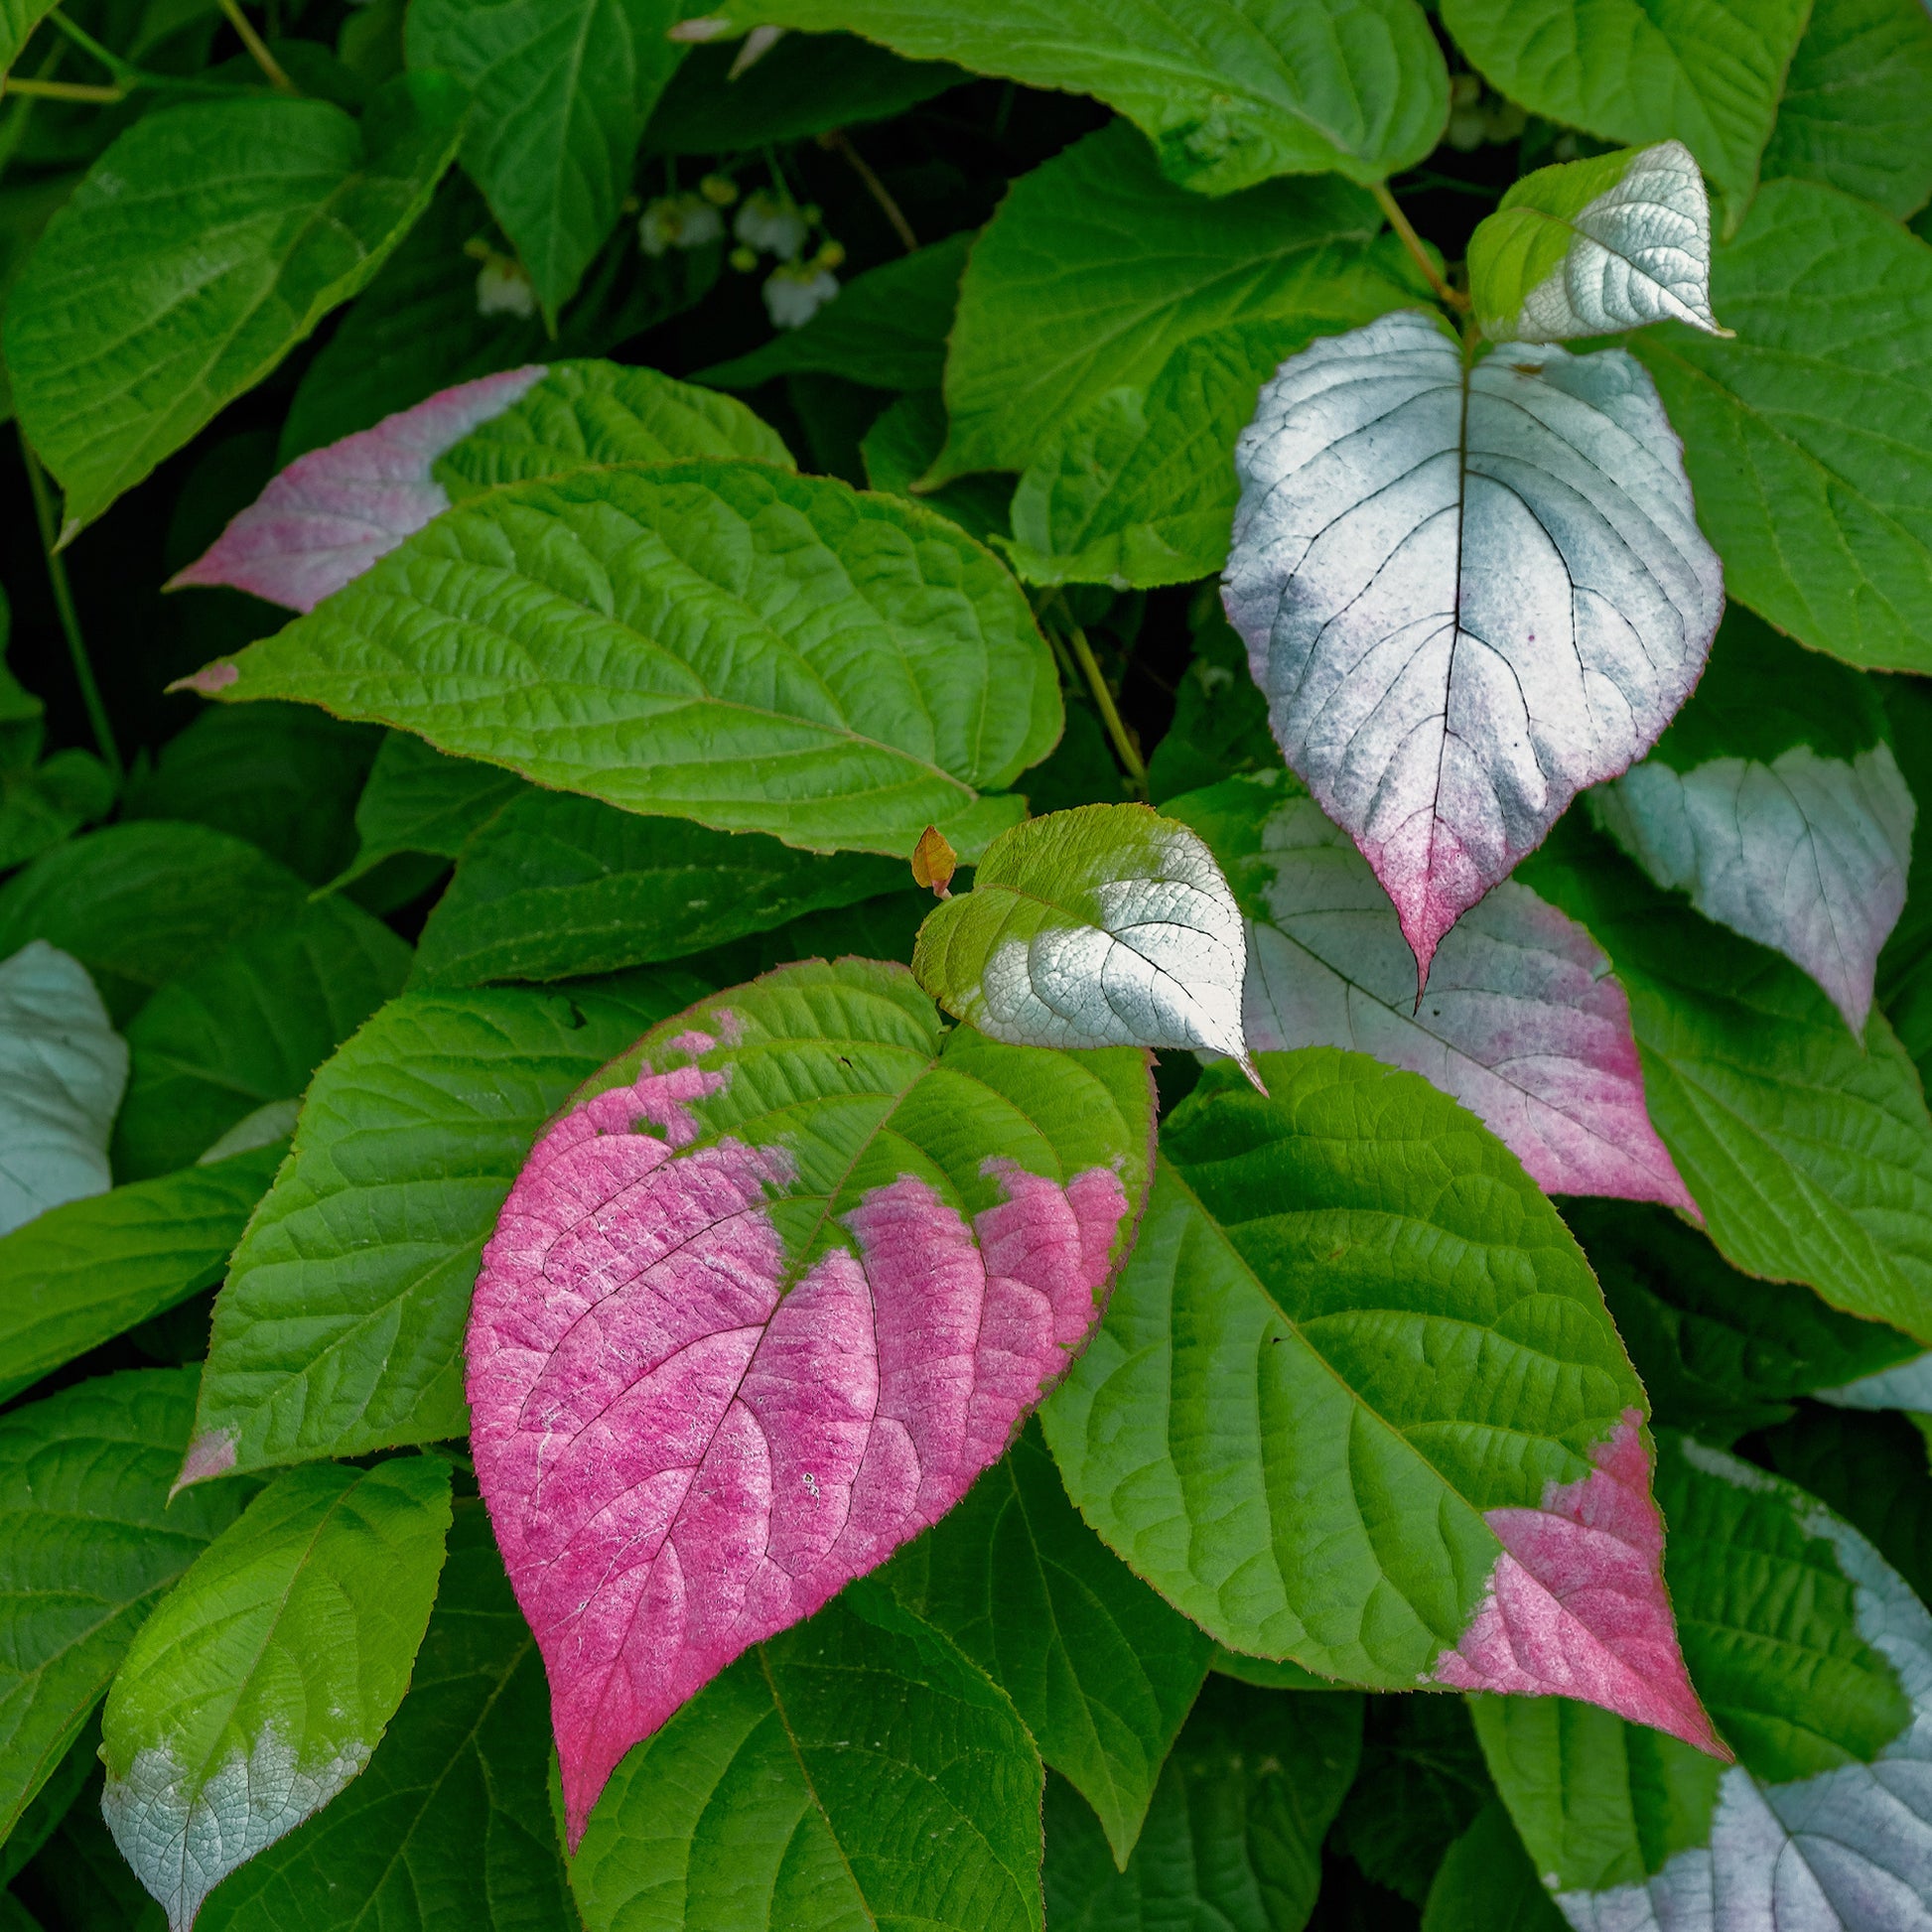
<point>685,1444</point>
<point>1577,1605</point>
<point>332,514</point>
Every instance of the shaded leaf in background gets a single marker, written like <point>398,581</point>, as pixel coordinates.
<point>562,92</point>
<point>81,1882</point>
<point>1487,1883</point>
<point>1220,721</point>
<point>1719,1352</point>
<point>1345,1299</point>
<point>51,1802</point>
<point>1593,248</point>
<point>667,601</point>
<point>138,903</point>
<point>18,18</point>
<point>81,1274</point>
<point>1809,1152</point>
<point>1097,268</point>
<point>1522,1021</point>
<point>1235,91</point>
<point>264,1680</point>
<point>420,799</point>
<point>736,1339</point>
<point>1775,801</point>
<point>761,1802</point>
<point>898,448</point>
<point>556,886</point>
<point>1802,437</point>
<point>1853,115</point>
<point>90,1544</point>
<point>1421,1785</point>
<point>1104,926</point>
<point>1706,72</point>
<point>1906,966</point>
<point>1233,1838</point>
<point>1100,1669</point>
<point>449,1824</point>
<point>63,1067</point>
<point>202,246</point>
<point>339,1329</point>
<point>1467,593</point>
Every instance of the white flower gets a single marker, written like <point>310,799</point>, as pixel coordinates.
<point>795,293</point>
<point>502,289</point>
<point>778,226</point>
<point>678,221</point>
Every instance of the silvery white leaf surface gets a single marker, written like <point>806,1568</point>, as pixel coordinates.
<point>62,1068</point>
<point>1907,1384</point>
<point>1807,855</point>
<point>1467,594</point>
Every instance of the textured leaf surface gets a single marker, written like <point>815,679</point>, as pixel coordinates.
<point>420,799</point>
<point>1466,593</point>
<point>736,1339</point>
<point>1808,1152</point>
<point>1096,268</point>
<point>1234,1836</point>
<point>246,1027</point>
<point>1522,1021</point>
<point>1591,247</point>
<point>83,1274</point>
<point>88,1542</point>
<point>1851,115</point>
<point>1804,437</point>
<point>1706,72</point>
<point>449,1824</point>
<point>1351,1323</point>
<point>1818,1660</point>
<point>1104,926</point>
<point>711,641</point>
<point>555,885</point>
<point>61,1070</point>
<point>340,1326</point>
<point>1100,1669</point>
<point>202,247</point>
<point>1774,799</point>
<point>761,1803</point>
<point>1235,91</point>
<point>261,1684</point>
<point>562,94</point>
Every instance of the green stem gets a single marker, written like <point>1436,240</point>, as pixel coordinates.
<point>256,46</point>
<point>122,69</point>
<point>57,572</point>
<point>1125,748</point>
<point>1410,240</point>
<point>61,90</point>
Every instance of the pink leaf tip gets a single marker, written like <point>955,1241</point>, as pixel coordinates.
<point>209,1455</point>
<point>1577,1605</point>
<point>210,679</point>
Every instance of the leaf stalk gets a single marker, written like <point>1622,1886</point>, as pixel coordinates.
<point>1125,748</point>
<point>1410,240</point>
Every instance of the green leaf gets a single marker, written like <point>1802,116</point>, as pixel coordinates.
<point>81,1274</point>
<point>756,651</point>
<point>420,799</point>
<point>1234,91</point>
<point>41,804</point>
<point>1139,488</point>
<point>899,447</point>
<point>246,1027</point>
<point>51,1803</point>
<point>1593,248</point>
<point>1801,436</point>
<point>1421,1785</point>
<point>450,1825</point>
<point>88,1542</point>
<point>341,1325</point>
<point>202,247</point>
<point>1353,1350</point>
<point>562,94</point>
<point>1808,1151</point>
<point>1486,1883</point>
<point>1233,1838</point>
<point>1719,1353</point>
<point>1853,114</point>
<point>1706,72</point>
<point>265,1679</point>
<point>1220,719</point>
<point>1099,1667</point>
<point>1104,926</point>
<point>84,1880</point>
<point>139,904</point>
<point>556,886</point>
<point>18,18</point>
<point>886,329</point>
<point>1097,268</point>
<point>856,1771</point>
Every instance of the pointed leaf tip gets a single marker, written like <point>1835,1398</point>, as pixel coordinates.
<point>934,862</point>
<point>208,680</point>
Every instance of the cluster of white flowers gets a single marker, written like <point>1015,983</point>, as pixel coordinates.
<point>503,286</point>
<point>687,220</point>
<point>798,288</point>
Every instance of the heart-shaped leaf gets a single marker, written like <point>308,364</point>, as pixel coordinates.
<point>1522,1021</point>
<point>1351,1326</point>
<point>1466,590</point>
<point>1103,926</point>
<point>761,1305</point>
<point>1591,247</point>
